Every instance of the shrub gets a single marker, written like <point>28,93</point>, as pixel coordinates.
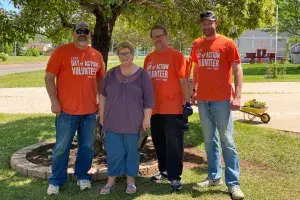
<point>275,71</point>
<point>32,52</point>
<point>3,56</point>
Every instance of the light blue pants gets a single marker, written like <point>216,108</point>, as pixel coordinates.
<point>122,154</point>
<point>216,118</point>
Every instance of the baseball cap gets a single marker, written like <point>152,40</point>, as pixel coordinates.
<point>82,25</point>
<point>208,15</point>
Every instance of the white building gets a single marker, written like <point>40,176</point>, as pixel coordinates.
<point>252,40</point>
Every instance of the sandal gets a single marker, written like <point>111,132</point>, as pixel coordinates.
<point>107,189</point>
<point>131,189</point>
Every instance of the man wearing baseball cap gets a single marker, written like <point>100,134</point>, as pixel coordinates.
<point>216,57</point>
<point>73,75</point>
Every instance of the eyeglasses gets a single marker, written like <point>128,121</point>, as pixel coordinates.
<point>82,31</point>
<point>155,37</point>
<point>124,54</point>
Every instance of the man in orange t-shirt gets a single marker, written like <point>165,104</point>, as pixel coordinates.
<point>167,69</point>
<point>78,70</point>
<point>215,57</point>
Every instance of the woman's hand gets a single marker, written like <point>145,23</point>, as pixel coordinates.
<point>146,123</point>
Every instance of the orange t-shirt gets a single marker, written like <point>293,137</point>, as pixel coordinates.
<point>213,60</point>
<point>76,71</point>
<point>165,70</point>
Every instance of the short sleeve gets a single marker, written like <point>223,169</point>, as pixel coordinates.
<point>193,56</point>
<point>148,91</point>
<point>233,53</point>
<point>100,73</point>
<point>103,85</point>
<point>180,66</point>
<point>188,68</point>
<point>55,61</point>
<point>145,63</point>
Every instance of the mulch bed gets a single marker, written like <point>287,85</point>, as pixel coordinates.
<point>193,158</point>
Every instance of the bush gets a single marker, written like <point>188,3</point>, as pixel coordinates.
<point>275,71</point>
<point>32,52</point>
<point>3,56</point>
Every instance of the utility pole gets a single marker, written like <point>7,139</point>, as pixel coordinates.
<point>15,54</point>
<point>276,34</point>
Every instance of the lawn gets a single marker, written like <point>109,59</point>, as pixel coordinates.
<point>33,78</point>
<point>269,165</point>
<point>24,60</point>
<point>42,59</point>
<point>252,73</point>
<point>256,72</point>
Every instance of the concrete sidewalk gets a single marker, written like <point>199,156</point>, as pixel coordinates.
<point>17,68</point>
<point>283,100</point>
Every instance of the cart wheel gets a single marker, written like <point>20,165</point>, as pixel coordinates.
<point>265,118</point>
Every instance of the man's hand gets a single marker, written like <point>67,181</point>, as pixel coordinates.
<point>187,110</point>
<point>56,108</point>
<point>235,104</point>
<point>194,98</point>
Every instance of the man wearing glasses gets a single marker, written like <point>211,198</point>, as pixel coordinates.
<point>167,69</point>
<point>73,75</point>
<point>216,57</point>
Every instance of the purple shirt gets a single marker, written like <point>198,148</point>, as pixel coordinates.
<point>126,99</point>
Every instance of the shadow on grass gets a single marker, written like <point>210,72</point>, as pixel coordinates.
<point>194,136</point>
<point>23,132</point>
<point>245,121</point>
<point>32,129</point>
<point>18,188</point>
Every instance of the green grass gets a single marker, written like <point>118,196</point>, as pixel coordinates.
<point>33,78</point>
<point>256,72</point>
<point>24,60</point>
<point>44,59</point>
<point>252,73</point>
<point>272,170</point>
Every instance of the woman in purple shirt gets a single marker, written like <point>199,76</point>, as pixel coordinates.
<point>126,103</point>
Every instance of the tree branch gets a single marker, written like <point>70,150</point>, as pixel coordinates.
<point>148,3</point>
<point>89,6</point>
<point>289,30</point>
<point>52,34</point>
<point>64,22</point>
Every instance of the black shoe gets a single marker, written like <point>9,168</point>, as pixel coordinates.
<point>176,185</point>
<point>159,177</point>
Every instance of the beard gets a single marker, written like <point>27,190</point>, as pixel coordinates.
<point>82,40</point>
<point>209,32</point>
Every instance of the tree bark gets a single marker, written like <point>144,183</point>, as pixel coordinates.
<point>101,40</point>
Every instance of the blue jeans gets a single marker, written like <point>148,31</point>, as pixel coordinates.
<point>123,156</point>
<point>216,118</point>
<point>66,126</point>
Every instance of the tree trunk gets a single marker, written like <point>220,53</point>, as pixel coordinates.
<point>101,41</point>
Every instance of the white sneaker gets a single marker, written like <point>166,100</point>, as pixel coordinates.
<point>236,193</point>
<point>53,190</point>
<point>209,183</point>
<point>84,184</point>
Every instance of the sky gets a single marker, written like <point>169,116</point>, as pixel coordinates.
<point>7,5</point>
